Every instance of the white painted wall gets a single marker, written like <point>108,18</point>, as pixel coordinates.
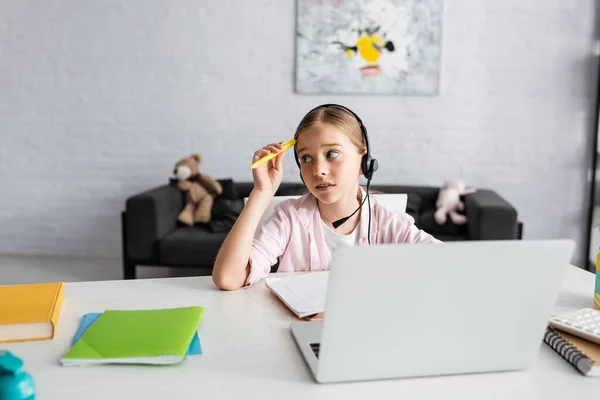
<point>100,98</point>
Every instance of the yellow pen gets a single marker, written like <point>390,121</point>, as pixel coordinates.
<point>286,145</point>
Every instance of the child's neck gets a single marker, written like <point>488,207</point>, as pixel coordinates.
<point>341,209</point>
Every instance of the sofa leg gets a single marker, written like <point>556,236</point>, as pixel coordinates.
<point>128,266</point>
<point>520,231</point>
<point>128,269</point>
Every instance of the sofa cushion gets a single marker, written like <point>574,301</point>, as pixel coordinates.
<point>225,212</point>
<point>428,223</point>
<point>413,206</point>
<point>229,189</point>
<point>244,189</point>
<point>190,243</point>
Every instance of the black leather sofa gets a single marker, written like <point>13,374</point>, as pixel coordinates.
<point>151,235</point>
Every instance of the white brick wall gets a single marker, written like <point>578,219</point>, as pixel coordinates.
<point>100,98</point>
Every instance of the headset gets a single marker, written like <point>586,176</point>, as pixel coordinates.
<point>368,164</point>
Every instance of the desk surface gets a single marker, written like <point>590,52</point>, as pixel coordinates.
<point>249,351</point>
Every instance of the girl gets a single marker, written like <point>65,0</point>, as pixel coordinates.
<point>330,149</point>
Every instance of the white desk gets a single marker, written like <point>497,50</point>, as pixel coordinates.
<point>249,351</point>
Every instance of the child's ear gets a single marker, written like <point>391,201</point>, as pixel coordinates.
<point>364,153</point>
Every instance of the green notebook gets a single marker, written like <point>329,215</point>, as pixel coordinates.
<point>137,337</point>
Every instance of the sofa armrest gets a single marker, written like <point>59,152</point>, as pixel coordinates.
<point>149,216</point>
<point>490,217</point>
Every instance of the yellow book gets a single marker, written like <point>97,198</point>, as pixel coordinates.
<point>30,312</point>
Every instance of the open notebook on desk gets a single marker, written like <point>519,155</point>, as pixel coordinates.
<point>303,294</point>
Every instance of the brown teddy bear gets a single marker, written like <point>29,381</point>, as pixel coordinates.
<point>201,190</point>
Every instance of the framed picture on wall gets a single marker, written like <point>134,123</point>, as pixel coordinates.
<point>368,46</point>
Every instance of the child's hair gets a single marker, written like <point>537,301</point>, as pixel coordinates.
<point>338,117</point>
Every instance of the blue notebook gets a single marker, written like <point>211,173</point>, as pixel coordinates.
<point>88,319</point>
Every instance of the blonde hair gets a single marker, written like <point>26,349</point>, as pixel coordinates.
<point>337,117</point>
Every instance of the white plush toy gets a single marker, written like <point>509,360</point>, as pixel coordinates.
<point>448,202</point>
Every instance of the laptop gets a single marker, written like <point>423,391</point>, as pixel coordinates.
<point>407,310</point>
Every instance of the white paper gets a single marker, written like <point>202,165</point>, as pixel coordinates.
<point>304,294</point>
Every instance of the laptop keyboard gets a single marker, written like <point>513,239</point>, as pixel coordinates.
<point>315,348</point>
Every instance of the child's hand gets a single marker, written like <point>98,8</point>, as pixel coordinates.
<point>267,177</point>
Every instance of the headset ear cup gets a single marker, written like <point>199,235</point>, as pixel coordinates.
<point>366,166</point>
<point>370,166</point>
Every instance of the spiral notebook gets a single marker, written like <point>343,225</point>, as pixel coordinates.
<point>580,353</point>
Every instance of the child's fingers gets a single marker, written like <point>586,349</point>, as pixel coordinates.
<point>258,154</point>
<point>273,148</point>
<point>279,161</point>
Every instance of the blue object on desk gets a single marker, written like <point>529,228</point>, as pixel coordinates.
<point>15,384</point>
<point>88,319</point>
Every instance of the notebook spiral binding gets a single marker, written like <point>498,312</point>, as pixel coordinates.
<point>569,352</point>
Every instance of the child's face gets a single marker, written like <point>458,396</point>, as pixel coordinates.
<point>329,163</point>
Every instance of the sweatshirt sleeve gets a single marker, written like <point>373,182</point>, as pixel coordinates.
<point>269,243</point>
<point>398,227</point>
<point>405,231</point>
